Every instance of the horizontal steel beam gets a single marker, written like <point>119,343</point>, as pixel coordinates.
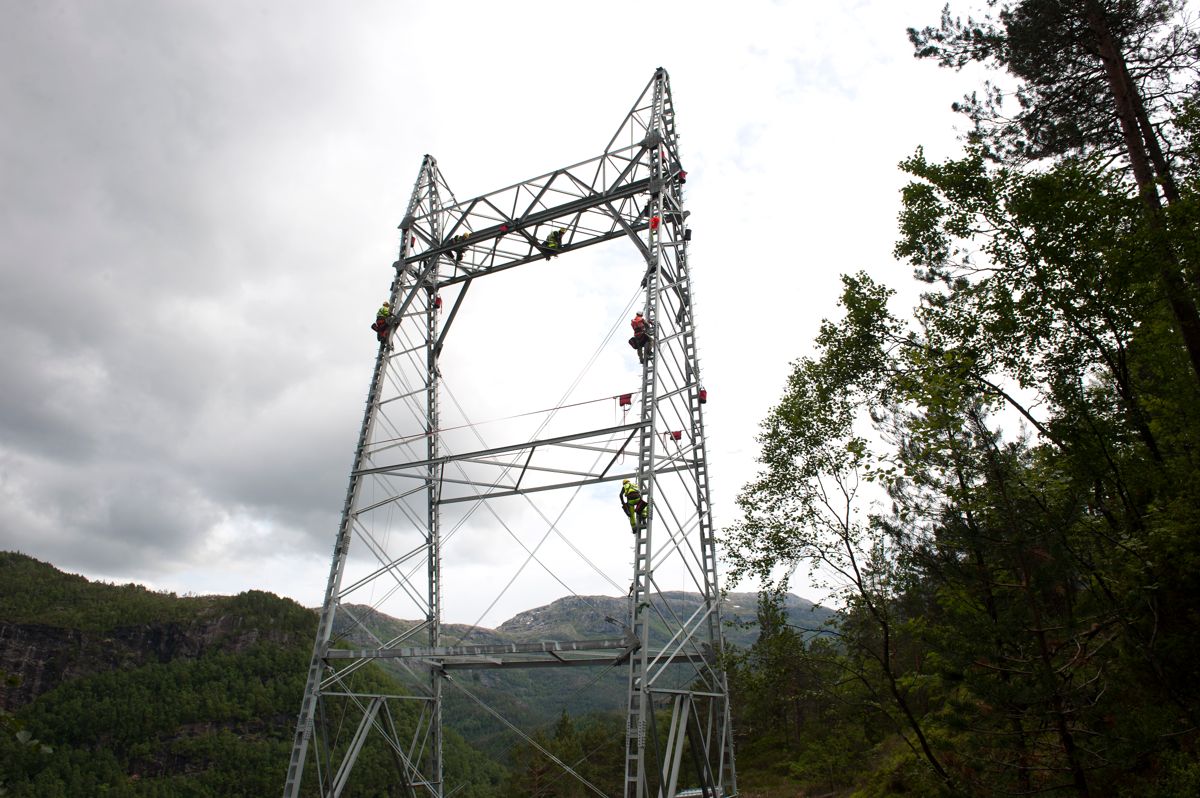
<point>583,203</point>
<point>506,664</point>
<point>599,480</point>
<point>514,447</point>
<point>536,255</point>
<point>557,663</point>
<point>545,654</point>
<point>437,652</point>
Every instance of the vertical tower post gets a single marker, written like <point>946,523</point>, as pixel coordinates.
<point>433,509</point>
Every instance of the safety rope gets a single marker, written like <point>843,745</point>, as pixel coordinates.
<point>527,738</point>
<point>420,435</point>
<point>553,528</point>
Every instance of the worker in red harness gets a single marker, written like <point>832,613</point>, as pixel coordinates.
<point>634,505</point>
<point>383,322</point>
<point>643,329</point>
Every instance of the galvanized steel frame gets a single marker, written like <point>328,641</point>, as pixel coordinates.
<point>632,191</point>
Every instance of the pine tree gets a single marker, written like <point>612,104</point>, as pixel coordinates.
<point>1103,76</point>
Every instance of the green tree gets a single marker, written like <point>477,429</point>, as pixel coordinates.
<point>791,706</point>
<point>806,505</point>
<point>1106,76</point>
<point>203,703</point>
<point>1025,586</point>
<point>593,751</point>
<point>1060,307</point>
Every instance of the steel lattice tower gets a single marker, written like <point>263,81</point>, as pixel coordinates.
<point>406,476</point>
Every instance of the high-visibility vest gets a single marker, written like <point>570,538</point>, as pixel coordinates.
<point>383,312</point>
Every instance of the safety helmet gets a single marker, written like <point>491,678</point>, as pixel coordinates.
<point>638,313</point>
<point>387,304</point>
<point>627,482</point>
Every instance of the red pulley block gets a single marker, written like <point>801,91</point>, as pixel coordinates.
<point>625,400</point>
<point>676,434</point>
<point>437,302</point>
<point>703,396</point>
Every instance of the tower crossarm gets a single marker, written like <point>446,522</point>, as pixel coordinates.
<point>544,653</point>
<point>553,661</point>
<point>511,448</point>
<point>597,200</point>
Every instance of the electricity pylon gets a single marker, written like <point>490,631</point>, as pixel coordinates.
<point>406,478</point>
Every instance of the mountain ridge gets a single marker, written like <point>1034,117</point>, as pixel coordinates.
<point>580,617</point>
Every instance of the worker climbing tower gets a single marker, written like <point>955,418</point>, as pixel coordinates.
<point>418,481</point>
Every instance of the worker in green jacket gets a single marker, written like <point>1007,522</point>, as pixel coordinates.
<point>634,505</point>
<point>460,246</point>
<point>383,321</point>
<point>554,242</point>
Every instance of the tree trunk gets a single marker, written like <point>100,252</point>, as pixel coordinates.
<point>885,665</point>
<point>1050,682</point>
<point>1047,672</point>
<point>1125,103</point>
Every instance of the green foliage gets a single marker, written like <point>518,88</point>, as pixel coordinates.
<point>1054,52</point>
<point>594,750</point>
<point>209,726</point>
<point>39,593</point>
<point>789,700</point>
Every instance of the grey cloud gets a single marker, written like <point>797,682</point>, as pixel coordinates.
<point>115,517</point>
<point>148,379</point>
<point>200,200</point>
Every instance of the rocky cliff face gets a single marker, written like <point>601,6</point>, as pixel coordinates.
<point>36,658</point>
<point>586,617</point>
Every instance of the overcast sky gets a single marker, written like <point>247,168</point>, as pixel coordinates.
<point>199,213</point>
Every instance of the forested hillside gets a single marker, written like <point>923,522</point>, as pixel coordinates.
<point>121,691</point>
<point>1002,483</point>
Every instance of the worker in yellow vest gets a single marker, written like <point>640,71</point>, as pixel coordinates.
<point>634,505</point>
<point>383,322</point>
<point>553,243</point>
